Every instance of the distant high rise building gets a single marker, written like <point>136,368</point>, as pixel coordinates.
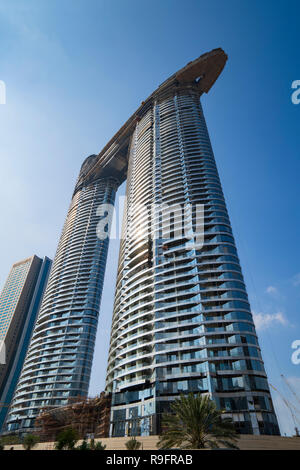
<point>19,304</point>
<point>182,321</point>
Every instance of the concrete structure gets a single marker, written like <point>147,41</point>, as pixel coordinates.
<point>246,442</point>
<point>182,321</point>
<point>19,304</point>
<point>88,417</point>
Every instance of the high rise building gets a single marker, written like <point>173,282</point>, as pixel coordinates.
<point>182,321</point>
<point>58,364</point>
<point>19,304</point>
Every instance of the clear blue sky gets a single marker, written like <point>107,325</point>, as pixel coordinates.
<point>75,70</point>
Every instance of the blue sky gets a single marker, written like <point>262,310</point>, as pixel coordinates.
<point>75,70</point>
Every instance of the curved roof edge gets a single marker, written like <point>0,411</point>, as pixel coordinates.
<point>112,160</point>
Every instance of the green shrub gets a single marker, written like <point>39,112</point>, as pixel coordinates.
<point>30,441</point>
<point>133,444</point>
<point>10,440</point>
<point>66,439</point>
<point>83,446</point>
<point>99,446</point>
<point>91,446</point>
<point>195,422</point>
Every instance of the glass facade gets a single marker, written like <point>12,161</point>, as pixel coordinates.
<point>19,304</point>
<point>182,320</point>
<point>58,364</point>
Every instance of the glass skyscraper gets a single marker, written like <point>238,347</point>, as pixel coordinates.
<point>19,304</point>
<point>59,359</point>
<point>182,321</point>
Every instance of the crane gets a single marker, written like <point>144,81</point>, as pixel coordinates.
<point>290,387</point>
<point>290,407</point>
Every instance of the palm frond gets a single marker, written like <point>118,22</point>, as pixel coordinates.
<point>196,423</point>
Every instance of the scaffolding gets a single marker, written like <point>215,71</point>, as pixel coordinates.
<point>90,417</point>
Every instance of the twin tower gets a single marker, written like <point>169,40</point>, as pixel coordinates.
<point>182,321</point>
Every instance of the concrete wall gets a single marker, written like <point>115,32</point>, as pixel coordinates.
<point>246,442</point>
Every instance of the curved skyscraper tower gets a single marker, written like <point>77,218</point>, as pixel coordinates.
<point>59,359</point>
<point>182,321</point>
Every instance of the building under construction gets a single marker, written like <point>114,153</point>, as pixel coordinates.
<point>90,417</point>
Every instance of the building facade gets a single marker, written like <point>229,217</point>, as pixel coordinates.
<point>19,305</point>
<point>182,321</point>
<point>58,364</point>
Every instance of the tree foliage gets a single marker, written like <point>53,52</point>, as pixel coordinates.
<point>133,444</point>
<point>30,441</point>
<point>66,439</point>
<point>91,446</point>
<point>196,423</point>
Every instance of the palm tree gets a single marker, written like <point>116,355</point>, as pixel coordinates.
<point>91,446</point>
<point>196,423</point>
<point>66,439</point>
<point>30,441</point>
<point>99,446</point>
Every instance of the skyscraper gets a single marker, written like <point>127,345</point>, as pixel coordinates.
<point>182,321</point>
<point>19,304</point>
<point>59,360</point>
